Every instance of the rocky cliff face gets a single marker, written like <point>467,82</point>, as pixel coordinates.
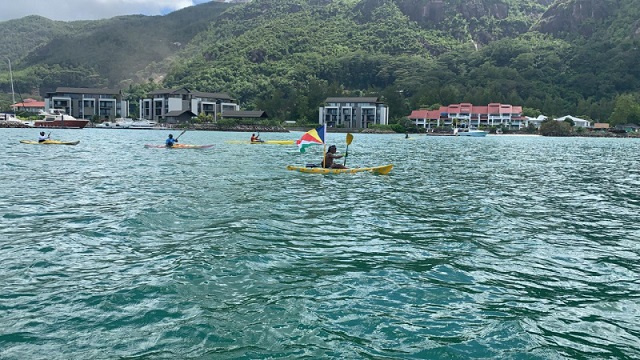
<point>481,18</point>
<point>434,11</point>
<point>574,16</point>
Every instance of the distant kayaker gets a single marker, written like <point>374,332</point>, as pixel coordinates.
<point>255,138</point>
<point>330,156</point>
<point>406,135</point>
<point>170,141</point>
<point>42,137</point>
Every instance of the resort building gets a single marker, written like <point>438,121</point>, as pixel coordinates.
<point>353,112</point>
<point>466,114</point>
<point>29,105</point>
<point>577,122</point>
<point>536,121</point>
<point>87,103</point>
<point>162,105</point>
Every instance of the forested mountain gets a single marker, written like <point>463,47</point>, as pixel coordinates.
<point>103,53</point>
<point>575,57</point>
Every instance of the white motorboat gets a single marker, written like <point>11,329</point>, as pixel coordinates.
<point>142,124</point>
<point>470,132</point>
<point>119,123</point>
<point>12,120</point>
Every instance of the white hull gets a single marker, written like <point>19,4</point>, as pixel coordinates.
<point>113,125</point>
<point>473,133</point>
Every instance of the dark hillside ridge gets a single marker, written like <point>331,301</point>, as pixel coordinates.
<point>120,49</point>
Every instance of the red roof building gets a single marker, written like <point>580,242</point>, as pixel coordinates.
<point>29,105</point>
<point>494,114</point>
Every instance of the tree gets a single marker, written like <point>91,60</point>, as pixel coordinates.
<point>555,128</point>
<point>626,110</point>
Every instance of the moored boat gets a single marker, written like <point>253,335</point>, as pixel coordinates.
<point>56,118</point>
<point>142,125</point>
<point>472,132</point>
<point>383,170</point>
<point>120,123</point>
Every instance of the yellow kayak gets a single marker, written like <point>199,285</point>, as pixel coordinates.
<point>266,142</point>
<point>50,142</point>
<point>274,142</point>
<point>383,170</point>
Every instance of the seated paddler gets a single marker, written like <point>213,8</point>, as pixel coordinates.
<point>170,141</point>
<point>329,158</point>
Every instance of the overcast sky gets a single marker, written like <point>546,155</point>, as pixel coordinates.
<point>68,10</point>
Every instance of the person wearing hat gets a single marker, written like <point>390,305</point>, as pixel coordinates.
<point>170,141</point>
<point>42,137</point>
<point>330,156</point>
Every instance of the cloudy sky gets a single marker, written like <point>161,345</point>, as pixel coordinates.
<point>68,10</point>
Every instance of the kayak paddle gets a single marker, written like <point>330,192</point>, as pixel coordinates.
<point>346,152</point>
<point>183,131</point>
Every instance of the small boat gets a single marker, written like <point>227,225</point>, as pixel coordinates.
<point>142,125</point>
<point>49,142</point>
<point>178,146</point>
<point>472,132</point>
<point>10,120</point>
<point>383,170</point>
<point>120,123</point>
<point>56,118</point>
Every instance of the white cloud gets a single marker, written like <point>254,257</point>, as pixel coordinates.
<point>68,10</point>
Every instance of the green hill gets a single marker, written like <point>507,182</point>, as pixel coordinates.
<point>104,53</point>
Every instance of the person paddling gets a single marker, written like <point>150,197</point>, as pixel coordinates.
<point>42,137</point>
<point>330,156</point>
<point>255,138</point>
<point>170,141</point>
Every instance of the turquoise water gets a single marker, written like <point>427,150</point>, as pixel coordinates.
<point>499,247</point>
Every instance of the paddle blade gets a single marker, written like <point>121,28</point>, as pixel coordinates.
<point>346,152</point>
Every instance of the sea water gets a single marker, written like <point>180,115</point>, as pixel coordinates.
<point>501,247</point>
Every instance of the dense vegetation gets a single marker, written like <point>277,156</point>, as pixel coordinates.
<point>287,56</point>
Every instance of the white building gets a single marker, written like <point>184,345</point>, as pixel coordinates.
<point>536,121</point>
<point>163,102</point>
<point>353,112</point>
<point>576,121</point>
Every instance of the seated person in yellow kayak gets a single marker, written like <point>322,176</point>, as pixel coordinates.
<point>170,141</point>
<point>42,137</point>
<point>330,156</point>
<point>255,138</point>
